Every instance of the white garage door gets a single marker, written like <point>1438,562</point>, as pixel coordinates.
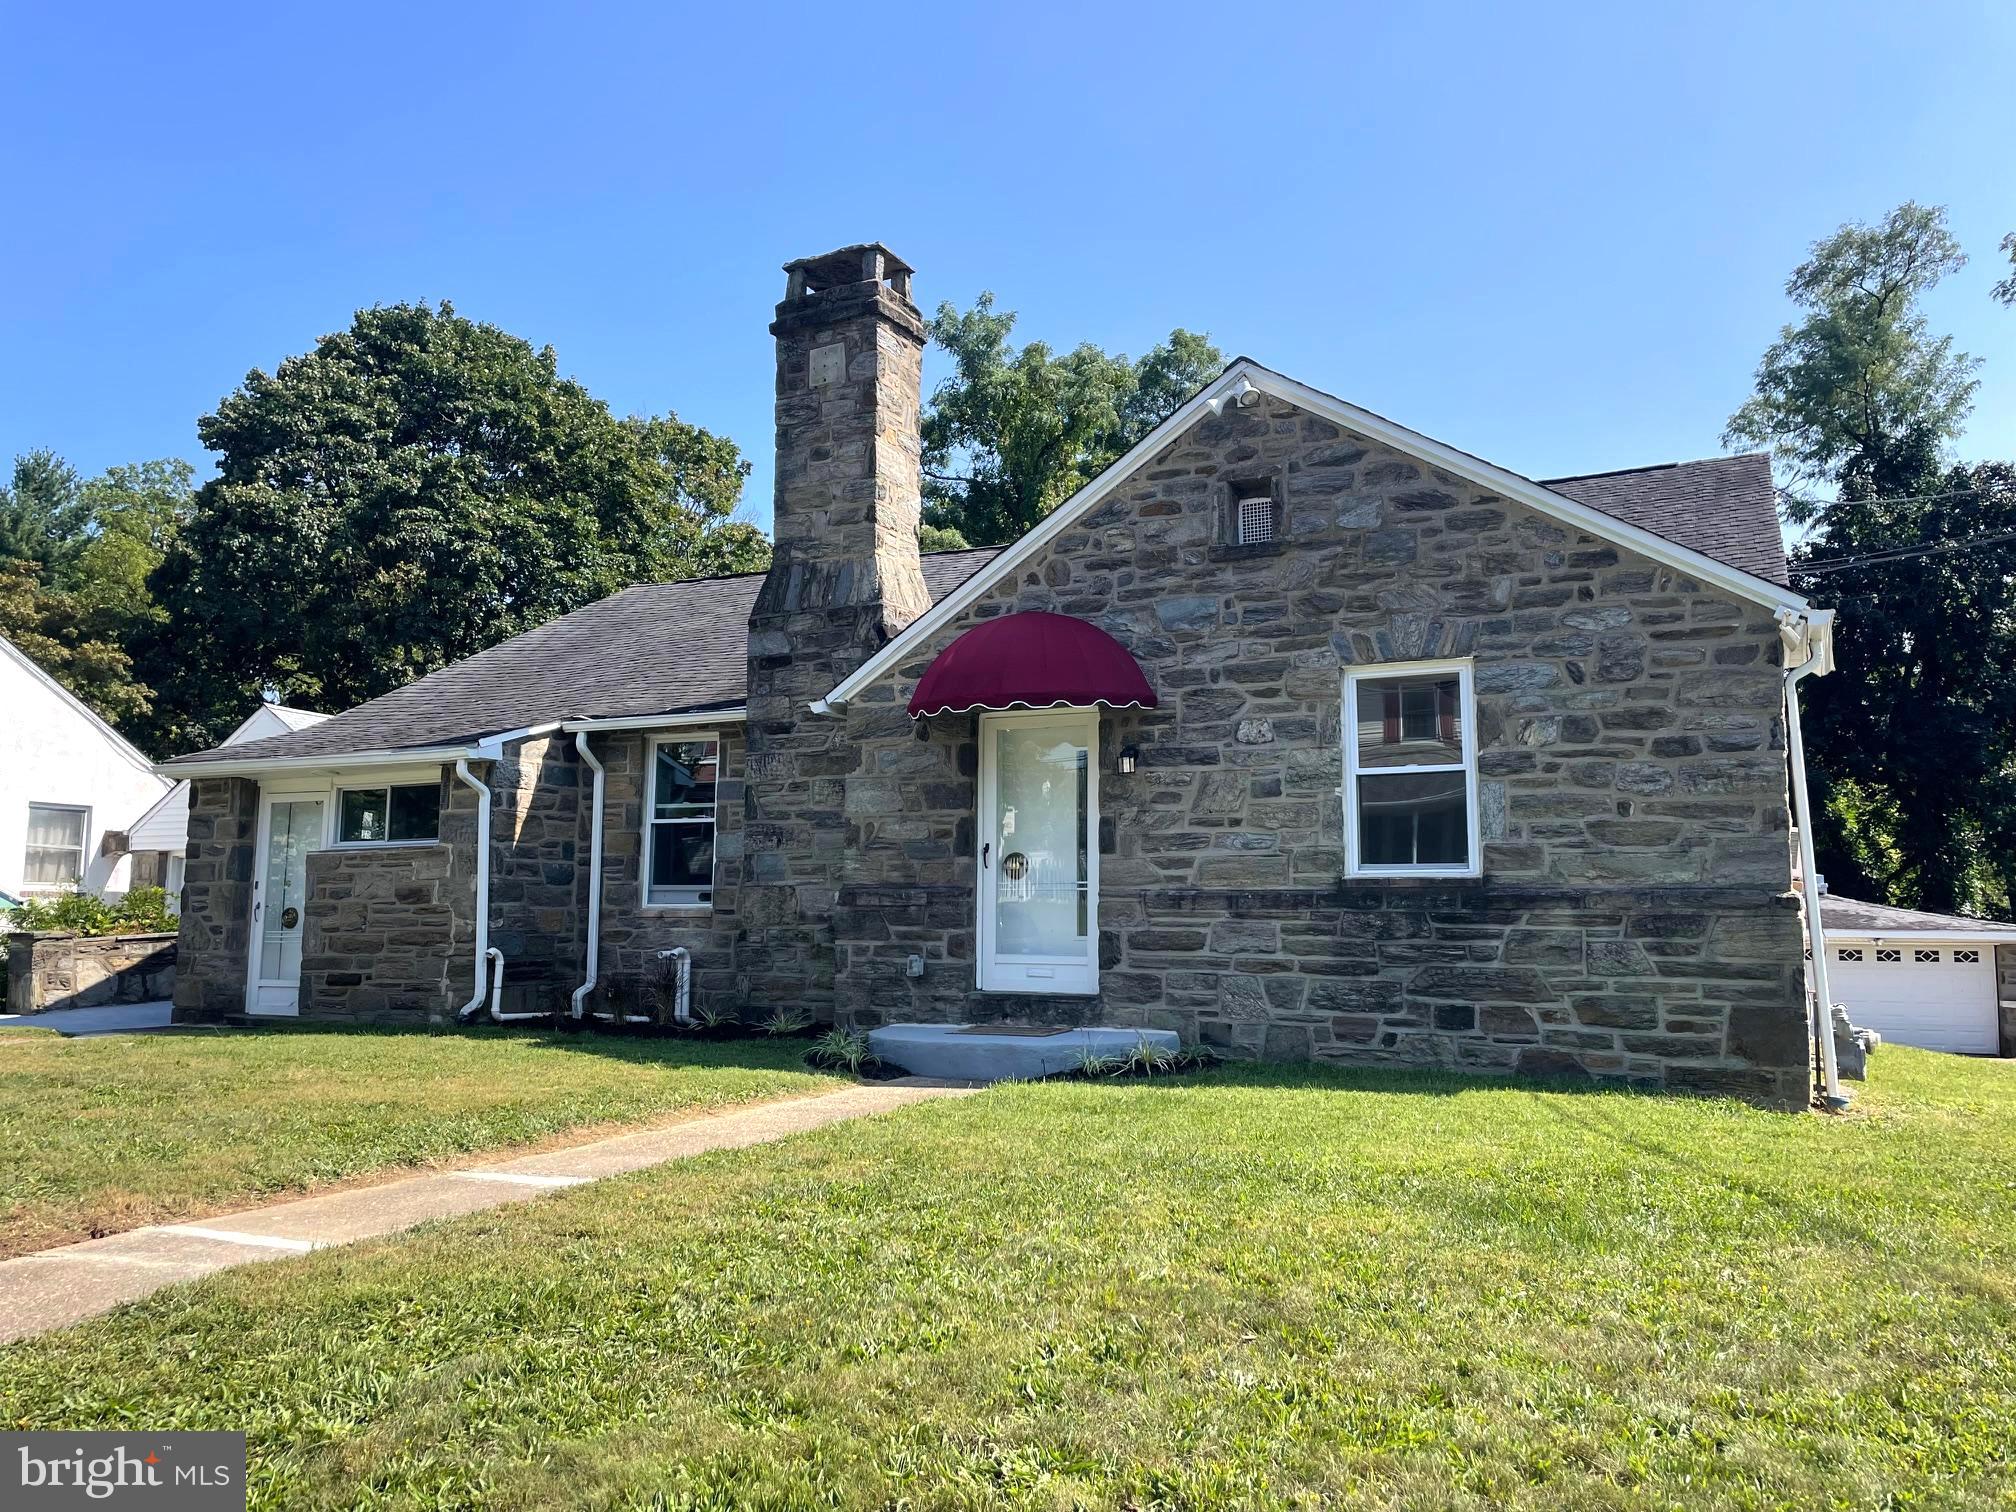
<point>1940,997</point>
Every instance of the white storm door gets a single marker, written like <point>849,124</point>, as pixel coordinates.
<point>289,828</point>
<point>1039,852</point>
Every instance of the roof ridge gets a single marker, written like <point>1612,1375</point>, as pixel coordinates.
<point>1618,472</point>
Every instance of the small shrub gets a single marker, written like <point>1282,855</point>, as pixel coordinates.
<point>787,1021</point>
<point>711,1018</point>
<point>1092,1064</point>
<point>1148,1059</point>
<point>142,911</point>
<point>839,1050</point>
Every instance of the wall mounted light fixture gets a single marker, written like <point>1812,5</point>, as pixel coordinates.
<point>1130,756</point>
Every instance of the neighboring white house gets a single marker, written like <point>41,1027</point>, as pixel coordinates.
<point>1918,978</point>
<point>66,778</point>
<point>159,838</point>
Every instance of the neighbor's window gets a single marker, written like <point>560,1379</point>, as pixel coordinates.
<point>1967,957</point>
<point>55,845</point>
<point>406,814</point>
<point>679,823</point>
<point>1410,771</point>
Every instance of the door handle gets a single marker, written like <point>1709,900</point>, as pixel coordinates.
<point>983,854</point>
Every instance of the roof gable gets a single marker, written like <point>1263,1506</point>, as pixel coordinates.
<point>1245,374</point>
<point>112,737</point>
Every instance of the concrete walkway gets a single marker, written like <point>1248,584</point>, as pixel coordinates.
<point>107,1018</point>
<point>58,1287</point>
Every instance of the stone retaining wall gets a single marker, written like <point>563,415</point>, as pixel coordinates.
<point>46,971</point>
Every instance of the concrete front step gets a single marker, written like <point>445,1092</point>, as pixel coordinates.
<point>957,1052</point>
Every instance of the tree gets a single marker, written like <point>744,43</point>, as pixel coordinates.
<point>1861,370</point>
<point>412,490</point>
<point>2005,289</point>
<point>1012,434</point>
<point>54,630</point>
<point>1911,743</point>
<point>1913,739</point>
<point>41,512</point>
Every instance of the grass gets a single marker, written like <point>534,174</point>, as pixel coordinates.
<point>111,1132</point>
<point>1253,1287</point>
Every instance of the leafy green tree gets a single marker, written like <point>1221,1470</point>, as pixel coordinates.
<point>414,489</point>
<point>2005,289</point>
<point>1913,739</point>
<point>58,631</point>
<point>1911,744</point>
<point>1861,370</point>
<point>1013,433</point>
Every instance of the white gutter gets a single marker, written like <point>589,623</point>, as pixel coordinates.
<point>594,948</point>
<point>1812,632</point>
<point>704,719</point>
<point>486,749</point>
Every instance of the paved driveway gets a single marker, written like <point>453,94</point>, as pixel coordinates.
<point>112,1018</point>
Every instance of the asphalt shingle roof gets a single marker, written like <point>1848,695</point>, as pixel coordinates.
<point>658,648</point>
<point>1848,916</point>
<point>664,648</point>
<point>1723,507</point>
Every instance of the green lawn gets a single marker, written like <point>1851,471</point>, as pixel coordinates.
<point>1257,1288</point>
<point>108,1133</point>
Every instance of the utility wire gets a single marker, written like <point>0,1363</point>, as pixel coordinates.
<point>1825,565</point>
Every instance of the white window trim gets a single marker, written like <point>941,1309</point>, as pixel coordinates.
<point>333,828</point>
<point>650,807</point>
<point>1466,699</point>
<point>56,889</point>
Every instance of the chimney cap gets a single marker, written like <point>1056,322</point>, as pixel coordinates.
<point>864,262</point>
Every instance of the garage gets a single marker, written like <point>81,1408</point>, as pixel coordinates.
<point>1916,978</point>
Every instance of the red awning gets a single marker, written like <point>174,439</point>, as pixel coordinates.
<point>1031,661</point>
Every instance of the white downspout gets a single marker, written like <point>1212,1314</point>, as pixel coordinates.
<point>593,954</point>
<point>470,1009</point>
<point>1797,631</point>
<point>487,956</point>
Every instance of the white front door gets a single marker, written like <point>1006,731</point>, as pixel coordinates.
<point>1039,852</point>
<point>289,828</point>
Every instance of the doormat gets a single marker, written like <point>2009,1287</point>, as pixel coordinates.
<point>1012,1031</point>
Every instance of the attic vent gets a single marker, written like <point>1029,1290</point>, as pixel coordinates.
<point>1256,520</point>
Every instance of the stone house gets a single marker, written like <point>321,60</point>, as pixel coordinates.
<point>1296,731</point>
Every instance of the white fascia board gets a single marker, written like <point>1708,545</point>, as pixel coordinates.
<point>689,721</point>
<point>335,761</point>
<point>1437,454</point>
<point>1918,936</point>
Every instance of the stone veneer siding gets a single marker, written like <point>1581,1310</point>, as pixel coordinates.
<point>632,934</point>
<point>216,925</point>
<point>1634,920</point>
<point>46,971</point>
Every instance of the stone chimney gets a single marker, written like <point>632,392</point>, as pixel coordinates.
<point>845,576</point>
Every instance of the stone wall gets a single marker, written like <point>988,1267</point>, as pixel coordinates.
<point>1634,917</point>
<point>537,888</point>
<point>632,934</point>
<point>46,971</point>
<point>216,925</point>
<point>375,923</point>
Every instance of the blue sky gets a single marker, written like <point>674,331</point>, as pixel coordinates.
<point>1555,236</point>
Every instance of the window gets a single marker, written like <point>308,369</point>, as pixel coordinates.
<point>1256,520</point>
<point>1852,957</point>
<point>407,814</point>
<point>679,822</point>
<point>1889,957</point>
<point>1410,771</point>
<point>1925,957</point>
<point>55,845</point>
<point>1967,957</point>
